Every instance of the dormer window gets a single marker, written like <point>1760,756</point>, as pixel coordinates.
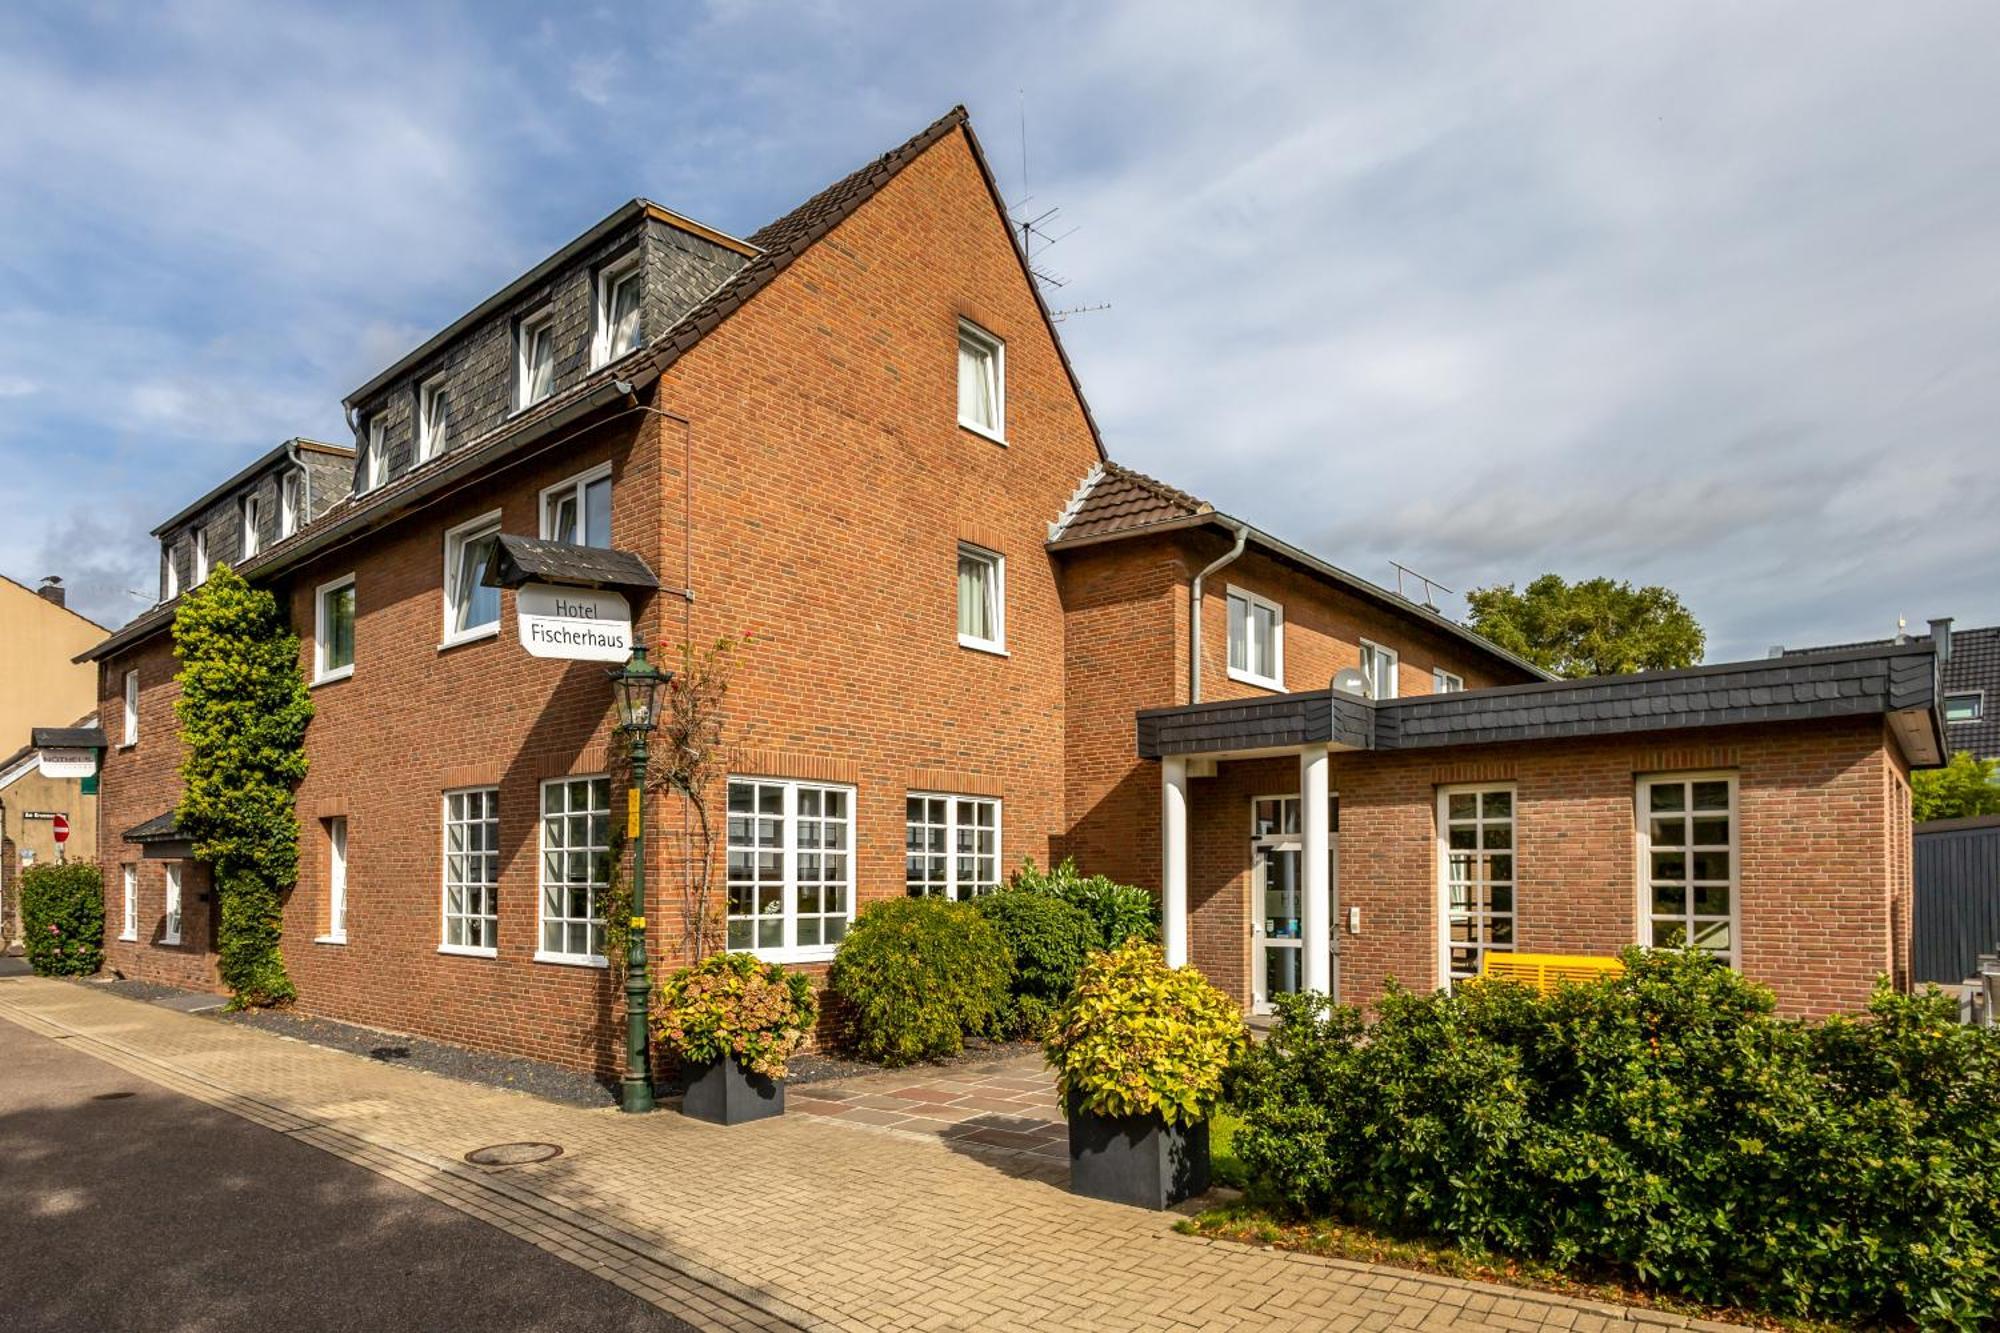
<point>619,287</point>
<point>200,556</point>
<point>251,515</point>
<point>291,503</point>
<point>170,575</point>
<point>982,382</point>
<point>535,371</point>
<point>433,419</point>
<point>374,469</point>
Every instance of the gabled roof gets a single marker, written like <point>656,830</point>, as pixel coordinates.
<point>1115,503</point>
<point>264,460</point>
<point>780,244</point>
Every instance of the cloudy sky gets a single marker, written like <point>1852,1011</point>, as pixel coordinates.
<point>1703,295</point>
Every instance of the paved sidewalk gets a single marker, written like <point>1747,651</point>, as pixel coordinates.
<point>1004,1103</point>
<point>800,1222</point>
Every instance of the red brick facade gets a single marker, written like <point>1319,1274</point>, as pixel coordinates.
<point>815,430</point>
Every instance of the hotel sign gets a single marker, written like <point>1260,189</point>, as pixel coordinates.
<point>580,624</point>
<point>68,763</point>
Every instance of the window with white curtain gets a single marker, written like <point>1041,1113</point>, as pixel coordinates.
<point>170,928</point>
<point>291,502</point>
<point>1378,667</point>
<point>982,382</point>
<point>790,867</point>
<point>982,599</point>
<point>951,846</point>
<point>132,708</point>
<point>433,418</point>
<point>130,875</point>
<point>1256,639</point>
<point>579,510</point>
<point>471,607</point>
<point>336,880</point>
<point>1444,682</point>
<point>200,556</point>
<point>619,288</point>
<point>535,373</point>
<point>472,871</point>
<point>333,631</point>
<point>576,869</point>
<point>170,574</point>
<point>374,468</point>
<point>250,515</point>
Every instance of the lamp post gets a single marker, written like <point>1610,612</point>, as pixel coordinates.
<point>638,685</point>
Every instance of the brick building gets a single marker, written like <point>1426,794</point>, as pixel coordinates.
<point>856,433</point>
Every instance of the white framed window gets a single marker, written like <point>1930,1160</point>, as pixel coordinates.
<point>982,599</point>
<point>130,877</point>
<point>472,872</point>
<point>1965,706</point>
<point>579,509</point>
<point>534,359</point>
<point>471,607</point>
<point>333,630</point>
<point>170,574</point>
<point>619,288</point>
<point>200,556</point>
<point>132,707</point>
<point>336,881</point>
<point>1688,828</point>
<point>1256,639</point>
<point>982,382</point>
<point>576,869</point>
<point>170,928</point>
<point>1476,892</point>
<point>1378,668</point>
<point>291,502</point>
<point>790,868</point>
<point>433,418</point>
<point>374,469</point>
<point>1445,682</point>
<point>250,513</point>
<point>951,845</point>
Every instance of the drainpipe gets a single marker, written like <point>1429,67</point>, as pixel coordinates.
<point>305,488</point>
<point>1194,611</point>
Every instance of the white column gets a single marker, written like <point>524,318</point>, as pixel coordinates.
<point>1318,924</point>
<point>1174,859</point>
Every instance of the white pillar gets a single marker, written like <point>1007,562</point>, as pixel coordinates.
<point>1174,859</point>
<point>1318,924</point>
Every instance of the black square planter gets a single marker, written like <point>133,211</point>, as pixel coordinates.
<point>1137,1159</point>
<point>726,1093</point>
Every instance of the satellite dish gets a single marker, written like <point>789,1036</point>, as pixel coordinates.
<point>1349,681</point>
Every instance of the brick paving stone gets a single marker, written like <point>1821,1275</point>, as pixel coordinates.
<point>831,1218</point>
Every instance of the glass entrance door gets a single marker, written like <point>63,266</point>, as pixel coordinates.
<point>1277,898</point>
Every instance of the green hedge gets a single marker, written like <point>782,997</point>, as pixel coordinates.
<point>1664,1124</point>
<point>1121,911</point>
<point>1049,939</point>
<point>916,976</point>
<point>62,918</point>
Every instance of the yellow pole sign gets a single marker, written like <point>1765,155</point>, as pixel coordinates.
<point>632,812</point>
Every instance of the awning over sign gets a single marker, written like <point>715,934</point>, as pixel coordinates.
<point>521,560</point>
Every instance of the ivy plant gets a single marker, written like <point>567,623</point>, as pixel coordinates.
<point>243,711</point>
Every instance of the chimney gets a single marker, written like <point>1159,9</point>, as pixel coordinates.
<point>52,591</point>
<point>1941,638</point>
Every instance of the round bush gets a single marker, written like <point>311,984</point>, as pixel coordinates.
<point>730,1004</point>
<point>1050,939</point>
<point>1140,1038</point>
<point>1121,911</point>
<point>920,975</point>
<point>62,918</point>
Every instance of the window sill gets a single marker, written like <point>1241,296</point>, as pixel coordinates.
<point>129,937</point>
<point>165,943</point>
<point>571,959</point>
<point>329,939</point>
<point>333,677</point>
<point>128,745</point>
<point>818,953</point>
<point>464,951</point>
<point>982,432</point>
<point>1261,682</point>
<point>470,636</point>
<point>983,646</point>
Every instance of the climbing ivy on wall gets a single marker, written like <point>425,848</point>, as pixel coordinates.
<point>243,711</point>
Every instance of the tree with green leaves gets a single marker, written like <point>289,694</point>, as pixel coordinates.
<point>1594,627</point>
<point>1963,787</point>
<point>243,712</point>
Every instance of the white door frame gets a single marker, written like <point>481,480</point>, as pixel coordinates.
<point>1260,1001</point>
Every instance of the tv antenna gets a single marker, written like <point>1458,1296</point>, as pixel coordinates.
<point>1038,232</point>
<point>1429,583</point>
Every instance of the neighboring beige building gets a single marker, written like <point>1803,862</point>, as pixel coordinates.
<point>29,801</point>
<point>40,686</point>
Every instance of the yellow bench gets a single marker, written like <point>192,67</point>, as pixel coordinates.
<point>1545,971</point>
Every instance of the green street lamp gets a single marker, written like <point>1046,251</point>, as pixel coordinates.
<point>638,684</point>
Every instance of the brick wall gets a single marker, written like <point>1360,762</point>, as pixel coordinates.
<point>1821,861</point>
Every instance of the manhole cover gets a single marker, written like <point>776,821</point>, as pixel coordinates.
<point>513,1154</point>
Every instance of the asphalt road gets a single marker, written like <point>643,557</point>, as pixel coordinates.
<point>126,1206</point>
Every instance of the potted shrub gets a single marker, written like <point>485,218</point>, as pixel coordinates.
<point>734,1021</point>
<point>1140,1050</point>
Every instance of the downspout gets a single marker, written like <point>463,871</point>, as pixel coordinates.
<point>305,488</point>
<point>1194,608</point>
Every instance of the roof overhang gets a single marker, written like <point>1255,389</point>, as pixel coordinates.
<point>1898,683</point>
<point>530,560</point>
<point>67,738</point>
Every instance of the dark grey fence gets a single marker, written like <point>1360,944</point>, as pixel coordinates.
<point>1957,914</point>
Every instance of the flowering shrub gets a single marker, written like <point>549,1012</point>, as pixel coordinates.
<point>1140,1038</point>
<point>62,917</point>
<point>731,1004</point>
